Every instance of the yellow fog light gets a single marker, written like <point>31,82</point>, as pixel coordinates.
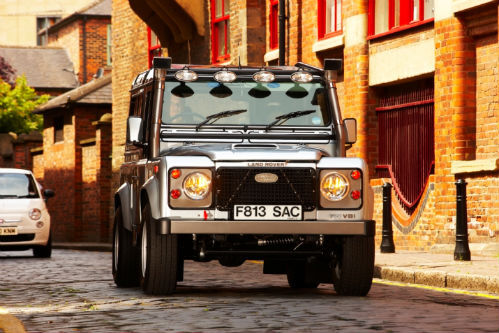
<point>334,186</point>
<point>197,185</point>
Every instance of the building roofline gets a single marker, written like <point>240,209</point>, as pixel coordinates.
<point>75,95</point>
<point>76,15</point>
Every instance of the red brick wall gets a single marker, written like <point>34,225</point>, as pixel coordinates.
<point>38,170</point>
<point>90,217</point>
<point>356,80</point>
<point>255,10</point>
<point>15,151</point>
<point>71,37</point>
<point>130,58</point>
<point>73,169</point>
<point>487,100</point>
<point>104,145</point>
<point>59,175</point>
<point>95,48</point>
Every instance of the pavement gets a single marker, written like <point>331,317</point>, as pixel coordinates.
<point>436,268</point>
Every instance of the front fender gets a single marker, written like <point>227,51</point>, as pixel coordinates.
<point>122,199</point>
<point>150,193</point>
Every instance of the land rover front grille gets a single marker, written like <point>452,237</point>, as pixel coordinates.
<point>238,186</point>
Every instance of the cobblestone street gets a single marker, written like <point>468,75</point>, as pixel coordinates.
<point>74,291</point>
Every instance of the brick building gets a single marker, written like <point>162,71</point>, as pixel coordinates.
<point>86,35</point>
<point>75,162</point>
<point>419,76</point>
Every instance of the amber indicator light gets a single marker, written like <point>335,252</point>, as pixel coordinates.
<point>175,173</point>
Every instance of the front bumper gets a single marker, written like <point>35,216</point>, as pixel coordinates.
<point>361,228</point>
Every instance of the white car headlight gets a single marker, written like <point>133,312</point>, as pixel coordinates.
<point>197,185</point>
<point>35,214</point>
<point>334,186</point>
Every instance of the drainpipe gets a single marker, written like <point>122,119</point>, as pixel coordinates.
<point>84,47</point>
<point>282,36</point>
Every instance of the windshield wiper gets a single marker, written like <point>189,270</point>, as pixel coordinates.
<point>285,117</point>
<point>219,115</point>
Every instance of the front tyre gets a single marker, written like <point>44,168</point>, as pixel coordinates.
<point>125,259</point>
<point>353,266</point>
<point>159,258</point>
<point>43,251</point>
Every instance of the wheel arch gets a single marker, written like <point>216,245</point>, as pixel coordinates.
<point>150,194</point>
<point>122,199</point>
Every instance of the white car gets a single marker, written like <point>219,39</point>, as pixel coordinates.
<point>24,218</point>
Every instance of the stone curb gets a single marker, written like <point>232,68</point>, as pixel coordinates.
<point>438,279</point>
<point>100,247</point>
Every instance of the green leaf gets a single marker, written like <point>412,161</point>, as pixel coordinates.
<point>16,107</point>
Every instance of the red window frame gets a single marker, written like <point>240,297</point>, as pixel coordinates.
<point>274,24</point>
<point>215,29</point>
<point>321,18</point>
<point>405,16</point>
<point>153,46</point>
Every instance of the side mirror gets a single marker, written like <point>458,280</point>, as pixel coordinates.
<point>351,130</point>
<point>48,193</point>
<point>134,129</point>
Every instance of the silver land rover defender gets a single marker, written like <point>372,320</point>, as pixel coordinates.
<point>238,163</point>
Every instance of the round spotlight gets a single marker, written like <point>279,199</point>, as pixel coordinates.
<point>264,76</point>
<point>225,76</point>
<point>301,77</point>
<point>186,75</point>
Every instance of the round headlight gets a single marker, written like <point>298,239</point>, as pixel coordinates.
<point>197,185</point>
<point>334,187</point>
<point>35,214</point>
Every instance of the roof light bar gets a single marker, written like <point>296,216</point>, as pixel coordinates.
<point>186,75</point>
<point>264,76</point>
<point>224,76</point>
<point>301,77</point>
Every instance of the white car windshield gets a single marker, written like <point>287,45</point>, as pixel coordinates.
<point>245,103</point>
<point>17,185</point>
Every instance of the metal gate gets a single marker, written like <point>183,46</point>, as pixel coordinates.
<point>406,139</point>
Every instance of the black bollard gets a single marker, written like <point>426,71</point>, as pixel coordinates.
<point>387,245</point>
<point>462,250</point>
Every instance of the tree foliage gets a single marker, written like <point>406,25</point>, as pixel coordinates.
<point>6,70</point>
<point>16,107</point>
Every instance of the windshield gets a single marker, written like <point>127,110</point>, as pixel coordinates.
<point>17,185</point>
<point>244,103</point>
